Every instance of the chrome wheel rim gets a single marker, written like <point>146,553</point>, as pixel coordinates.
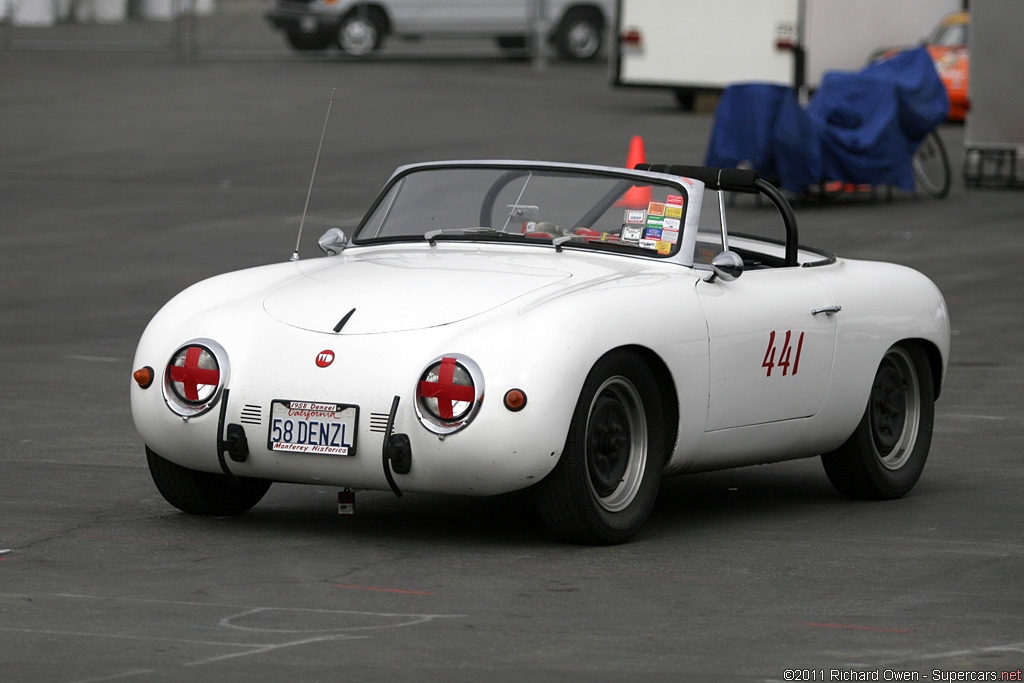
<point>616,444</point>
<point>582,40</point>
<point>894,411</point>
<point>358,37</point>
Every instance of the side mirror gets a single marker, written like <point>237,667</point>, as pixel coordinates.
<point>727,265</point>
<point>333,242</point>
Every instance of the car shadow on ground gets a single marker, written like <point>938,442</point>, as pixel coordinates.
<point>689,503</point>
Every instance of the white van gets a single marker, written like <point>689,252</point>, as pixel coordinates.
<point>358,27</point>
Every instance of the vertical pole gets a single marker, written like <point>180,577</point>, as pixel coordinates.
<point>193,29</point>
<point>185,29</point>
<point>538,38</point>
<point>800,53</point>
<point>6,22</point>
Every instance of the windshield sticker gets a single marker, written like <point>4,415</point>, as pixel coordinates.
<point>656,209</point>
<point>674,200</point>
<point>670,236</point>
<point>674,212</point>
<point>664,248</point>
<point>649,244</point>
<point>631,234</point>
<point>635,215</point>
<point>655,222</point>
<point>530,226</point>
<point>670,224</point>
<point>653,233</point>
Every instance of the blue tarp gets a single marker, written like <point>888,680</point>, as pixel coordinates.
<point>859,127</point>
<point>922,97</point>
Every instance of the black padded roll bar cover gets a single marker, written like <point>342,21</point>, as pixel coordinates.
<point>728,179</point>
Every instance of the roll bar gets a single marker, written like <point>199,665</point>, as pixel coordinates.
<point>739,180</point>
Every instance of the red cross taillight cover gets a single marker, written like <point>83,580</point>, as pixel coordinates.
<point>194,377</point>
<point>449,393</point>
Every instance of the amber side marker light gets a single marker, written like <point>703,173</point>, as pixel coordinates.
<point>515,400</point>
<point>144,376</point>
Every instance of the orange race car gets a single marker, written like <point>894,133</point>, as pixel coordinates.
<point>947,45</point>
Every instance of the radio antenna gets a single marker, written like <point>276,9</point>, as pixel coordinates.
<point>302,221</point>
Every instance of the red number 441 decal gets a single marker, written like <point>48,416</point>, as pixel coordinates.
<point>786,359</point>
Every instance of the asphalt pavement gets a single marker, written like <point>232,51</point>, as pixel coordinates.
<point>125,178</point>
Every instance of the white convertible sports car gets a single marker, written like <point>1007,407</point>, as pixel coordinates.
<point>579,330</point>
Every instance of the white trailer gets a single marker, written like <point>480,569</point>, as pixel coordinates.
<point>693,45</point>
<point>994,131</point>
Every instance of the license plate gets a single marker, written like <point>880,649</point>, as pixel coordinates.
<point>312,427</point>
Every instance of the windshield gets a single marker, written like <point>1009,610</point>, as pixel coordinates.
<point>530,205</point>
<point>951,31</point>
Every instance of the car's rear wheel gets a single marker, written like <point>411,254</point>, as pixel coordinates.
<point>604,486</point>
<point>886,454</point>
<point>686,98</point>
<point>361,32</point>
<point>203,493</point>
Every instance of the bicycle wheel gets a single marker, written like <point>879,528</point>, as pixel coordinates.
<point>931,166</point>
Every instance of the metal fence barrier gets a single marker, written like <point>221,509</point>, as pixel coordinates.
<point>191,29</point>
<point>184,28</point>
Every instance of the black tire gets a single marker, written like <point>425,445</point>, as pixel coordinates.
<point>607,480</point>
<point>305,42</point>
<point>580,35</point>
<point>517,43</point>
<point>931,166</point>
<point>885,456</point>
<point>203,493</point>
<point>361,31</point>
<point>513,47</point>
<point>686,98</point>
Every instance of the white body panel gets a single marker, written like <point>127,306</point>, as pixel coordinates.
<point>872,319</point>
<point>747,334</point>
<point>452,18</point>
<point>458,16</point>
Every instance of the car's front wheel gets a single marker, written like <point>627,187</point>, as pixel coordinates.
<point>579,36</point>
<point>886,454</point>
<point>605,484</point>
<point>203,493</point>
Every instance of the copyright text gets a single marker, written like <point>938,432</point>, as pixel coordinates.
<point>895,675</point>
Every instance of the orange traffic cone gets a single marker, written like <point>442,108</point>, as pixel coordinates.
<point>636,152</point>
<point>636,197</point>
